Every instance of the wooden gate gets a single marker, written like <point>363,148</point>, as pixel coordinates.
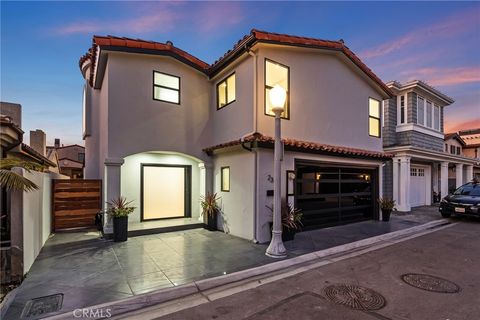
<point>75,203</point>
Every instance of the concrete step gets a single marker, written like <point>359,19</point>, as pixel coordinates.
<point>155,230</point>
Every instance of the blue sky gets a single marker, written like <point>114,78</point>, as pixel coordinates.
<point>41,42</point>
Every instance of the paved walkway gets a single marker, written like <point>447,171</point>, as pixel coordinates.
<point>89,270</point>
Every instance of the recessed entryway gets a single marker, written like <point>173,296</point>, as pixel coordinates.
<point>165,191</point>
<point>330,195</point>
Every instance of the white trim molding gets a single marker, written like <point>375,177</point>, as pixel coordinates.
<point>418,128</point>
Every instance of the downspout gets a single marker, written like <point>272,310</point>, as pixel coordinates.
<point>242,139</point>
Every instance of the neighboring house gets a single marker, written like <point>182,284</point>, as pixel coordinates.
<point>454,144</point>
<point>472,147</point>
<point>25,216</point>
<point>413,132</point>
<point>71,159</point>
<point>162,128</point>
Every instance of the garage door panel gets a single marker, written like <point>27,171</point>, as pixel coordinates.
<point>418,186</point>
<point>345,196</point>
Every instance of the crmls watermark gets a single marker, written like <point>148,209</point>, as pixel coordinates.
<point>90,313</point>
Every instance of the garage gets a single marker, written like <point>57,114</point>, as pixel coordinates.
<point>419,185</point>
<point>333,195</point>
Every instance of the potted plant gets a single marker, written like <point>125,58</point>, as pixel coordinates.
<point>291,221</point>
<point>210,210</point>
<point>387,205</point>
<point>119,209</point>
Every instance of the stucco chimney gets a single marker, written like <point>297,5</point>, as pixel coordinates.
<point>57,143</point>
<point>38,141</point>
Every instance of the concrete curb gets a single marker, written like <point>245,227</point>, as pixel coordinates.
<point>218,287</point>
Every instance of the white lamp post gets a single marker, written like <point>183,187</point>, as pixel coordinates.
<point>276,249</point>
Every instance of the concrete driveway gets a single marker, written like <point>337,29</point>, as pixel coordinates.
<point>88,270</point>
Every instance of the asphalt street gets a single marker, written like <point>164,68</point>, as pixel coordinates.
<point>371,281</point>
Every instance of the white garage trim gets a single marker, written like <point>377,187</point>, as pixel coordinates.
<point>417,169</point>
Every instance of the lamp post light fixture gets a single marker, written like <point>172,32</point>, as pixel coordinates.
<point>276,249</point>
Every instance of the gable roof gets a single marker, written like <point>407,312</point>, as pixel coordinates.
<point>456,136</point>
<point>242,46</point>
<point>422,85</point>
<point>303,146</point>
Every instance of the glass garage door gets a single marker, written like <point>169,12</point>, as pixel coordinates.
<point>332,195</point>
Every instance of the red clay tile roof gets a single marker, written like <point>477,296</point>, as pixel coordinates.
<point>241,46</point>
<point>305,146</point>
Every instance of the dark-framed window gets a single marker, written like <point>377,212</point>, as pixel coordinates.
<point>446,147</point>
<point>374,117</point>
<point>226,91</point>
<point>458,150</point>
<point>452,149</point>
<point>276,74</point>
<point>225,179</point>
<point>402,109</point>
<point>81,157</point>
<point>166,87</point>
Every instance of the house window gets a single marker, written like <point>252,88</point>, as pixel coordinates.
<point>436,118</point>
<point>420,110</point>
<point>225,179</point>
<point>446,147</point>
<point>166,87</point>
<point>402,109</point>
<point>413,172</point>
<point>452,149</point>
<point>429,114</point>
<point>421,172</point>
<point>458,150</point>
<point>373,117</point>
<point>81,157</point>
<point>226,91</point>
<point>276,74</point>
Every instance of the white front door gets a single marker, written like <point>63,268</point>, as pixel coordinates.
<point>420,182</point>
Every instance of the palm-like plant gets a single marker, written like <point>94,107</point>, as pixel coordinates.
<point>13,181</point>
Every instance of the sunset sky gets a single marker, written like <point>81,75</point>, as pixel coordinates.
<point>41,42</point>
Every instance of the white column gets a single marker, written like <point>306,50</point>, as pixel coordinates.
<point>435,177</point>
<point>469,173</point>
<point>396,176</point>
<point>459,175</point>
<point>112,188</point>
<point>444,179</point>
<point>404,188</point>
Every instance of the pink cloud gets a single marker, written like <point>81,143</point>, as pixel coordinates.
<point>445,76</point>
<point>454,126</point>
<point>452,26</point>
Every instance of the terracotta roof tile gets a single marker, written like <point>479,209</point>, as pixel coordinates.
<point>243,44</point>
<point>304,145</point>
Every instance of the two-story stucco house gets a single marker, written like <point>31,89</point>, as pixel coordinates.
<point>162,128</point>
<point>413,132</point>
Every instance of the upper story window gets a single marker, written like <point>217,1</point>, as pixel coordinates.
<point>225,179</point>
<point>428,114</point>
<point>81,157</point>
<point>446,147</point>
<point>166,87</point>
<point>276,74</point>
<point>458,150</point>
<point>226,91</point>
<point>452,149</point>
<point>373,117</point>
<point>402,110</point>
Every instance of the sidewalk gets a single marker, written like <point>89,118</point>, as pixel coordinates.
<point>90,271</point>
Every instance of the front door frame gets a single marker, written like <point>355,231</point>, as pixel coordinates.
<point>187,189</point>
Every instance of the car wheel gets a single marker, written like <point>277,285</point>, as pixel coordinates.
<point>446,214</point>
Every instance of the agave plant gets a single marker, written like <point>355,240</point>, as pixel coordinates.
<point>386,204</point>
<point>209,204</point>
<point>14,181</point>
<point>120,207</point>
<point>291,217</point>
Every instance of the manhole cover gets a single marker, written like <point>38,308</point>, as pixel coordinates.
<point>355,297</point>
<point>43,305</point>
<point>430,283</point>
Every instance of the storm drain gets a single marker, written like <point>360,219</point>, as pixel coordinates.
<point>430,283</point>
<point>355,297</point>
<point>41,306</point>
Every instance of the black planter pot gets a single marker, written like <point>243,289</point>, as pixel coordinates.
<point>211,223</point>
<point>386,214</point>
<point>120,229</point>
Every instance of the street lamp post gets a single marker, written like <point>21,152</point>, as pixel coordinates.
<point>276,249</point>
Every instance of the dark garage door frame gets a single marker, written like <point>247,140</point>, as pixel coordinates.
<point>312,215</point>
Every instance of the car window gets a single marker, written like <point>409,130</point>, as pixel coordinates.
<point>468,190</point>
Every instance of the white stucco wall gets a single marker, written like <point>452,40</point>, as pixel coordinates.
<point>238,204</point>
<point>36,210</point>
<point>138,123</point>
<point>328,99</point>
<point>130,178</point>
